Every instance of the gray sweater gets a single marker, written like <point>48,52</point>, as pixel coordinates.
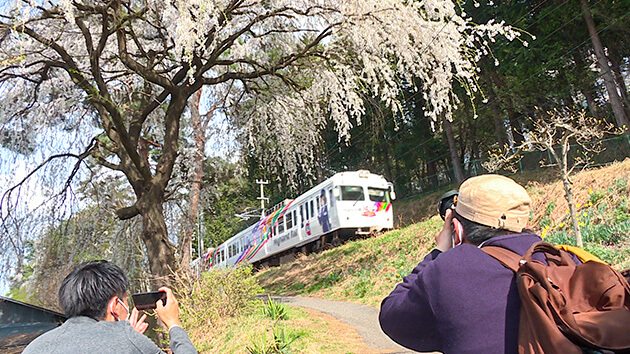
<point>86,335</point>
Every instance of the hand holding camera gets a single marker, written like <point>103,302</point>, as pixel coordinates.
<point>163,302</point>
<point>447,238</point>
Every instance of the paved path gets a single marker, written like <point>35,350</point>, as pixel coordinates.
<point>363,318</point>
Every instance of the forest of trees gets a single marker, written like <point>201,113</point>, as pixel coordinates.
<point>569,55</point>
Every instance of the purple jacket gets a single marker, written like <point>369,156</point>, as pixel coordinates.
<point>463,301</point>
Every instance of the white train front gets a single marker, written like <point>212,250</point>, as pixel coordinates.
<point>347,204</point>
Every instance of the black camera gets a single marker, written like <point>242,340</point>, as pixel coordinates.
<point>148,301</point>
<point>447,201</point>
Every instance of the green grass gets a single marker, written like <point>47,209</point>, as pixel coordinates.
<point>362,271</point>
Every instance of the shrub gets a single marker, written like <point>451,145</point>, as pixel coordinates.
<point>216,295</point>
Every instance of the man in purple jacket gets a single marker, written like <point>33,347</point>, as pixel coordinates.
<point>459,299</point>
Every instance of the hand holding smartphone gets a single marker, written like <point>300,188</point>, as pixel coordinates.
<point>148,301</point>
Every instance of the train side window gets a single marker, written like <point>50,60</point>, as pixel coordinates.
<point>307,213</point>
<point>295,217</point>
<point>330,197</point>
<point>289,220</point>
<point>352,193</point>
<point>281,225</point>
<point>312,208</point>
<point>302,216</point>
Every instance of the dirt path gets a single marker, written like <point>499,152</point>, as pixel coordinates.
<point>363,318</point>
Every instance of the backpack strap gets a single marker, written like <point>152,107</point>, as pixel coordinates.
<point>510,260</point>
<point>582,254</point>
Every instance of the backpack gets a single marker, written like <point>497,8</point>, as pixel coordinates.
<point>568,308</point>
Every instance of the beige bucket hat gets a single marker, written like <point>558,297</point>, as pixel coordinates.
<point>494,200</point>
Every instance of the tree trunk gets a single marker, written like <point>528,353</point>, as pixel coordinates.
<point>432,178</point>
<point>499,128</point>
<point>452,147</point>
<point>161,252</point>
<point>515,125</point>
<point>513,117</point>
<point>590,101</point>
<point>568,190</point>
<point>615,58</point>
<point>587,85</point>
<point>386,162</point>
<point>199,135</point>
<point>602,60</point>
<point>150,189</point>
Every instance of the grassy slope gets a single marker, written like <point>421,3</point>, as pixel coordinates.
<point>365,271</point>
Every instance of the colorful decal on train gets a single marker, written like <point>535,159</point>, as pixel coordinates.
<point>261,233</point>
<point>377,207</point>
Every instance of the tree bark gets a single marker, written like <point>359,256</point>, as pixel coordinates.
<point>499,128</point>
<point>195,188</point>
<point>452,147</point>
<point>587,89</point>
<point>590,101</point>
<point>386,162</point>
<point>615,58</point>
<point>568,190</point>
<point>160,250</point>
<point>602,60</point>
<point>513,117</point>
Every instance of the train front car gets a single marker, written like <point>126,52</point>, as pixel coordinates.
<point>362,203</point>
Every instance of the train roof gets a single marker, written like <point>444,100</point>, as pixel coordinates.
<point>348,178</point>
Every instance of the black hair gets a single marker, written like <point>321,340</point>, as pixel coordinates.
<point>89,287</point>
<point>476,233</point>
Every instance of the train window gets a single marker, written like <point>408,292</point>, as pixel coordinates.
<point>352,193</point>
<point>289,220</point>
<point>330,194</point>
<point>312,208</point>
<point>378,195</point>
<point>281,225</point>
<point>301,216</point>
<point>306,209</point>
<point>295,216</point>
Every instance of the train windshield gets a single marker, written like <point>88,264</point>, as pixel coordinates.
<point>378,195</point>
<point>352,193</point>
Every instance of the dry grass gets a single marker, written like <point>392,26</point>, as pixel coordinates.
<point>591,180</point>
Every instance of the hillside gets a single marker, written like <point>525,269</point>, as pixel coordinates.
<point>364,271</point>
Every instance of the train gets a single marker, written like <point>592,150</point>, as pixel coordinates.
<point>346,205</point>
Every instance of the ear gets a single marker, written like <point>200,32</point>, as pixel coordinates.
<point>112,314</point>
<point>459,232</point>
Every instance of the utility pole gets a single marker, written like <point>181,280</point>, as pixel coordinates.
<point>262,197</point>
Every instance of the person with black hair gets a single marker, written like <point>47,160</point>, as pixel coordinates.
<point>459,299</point>
<point>94,297</point>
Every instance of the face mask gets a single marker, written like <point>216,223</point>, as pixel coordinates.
<point>126,308</point>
